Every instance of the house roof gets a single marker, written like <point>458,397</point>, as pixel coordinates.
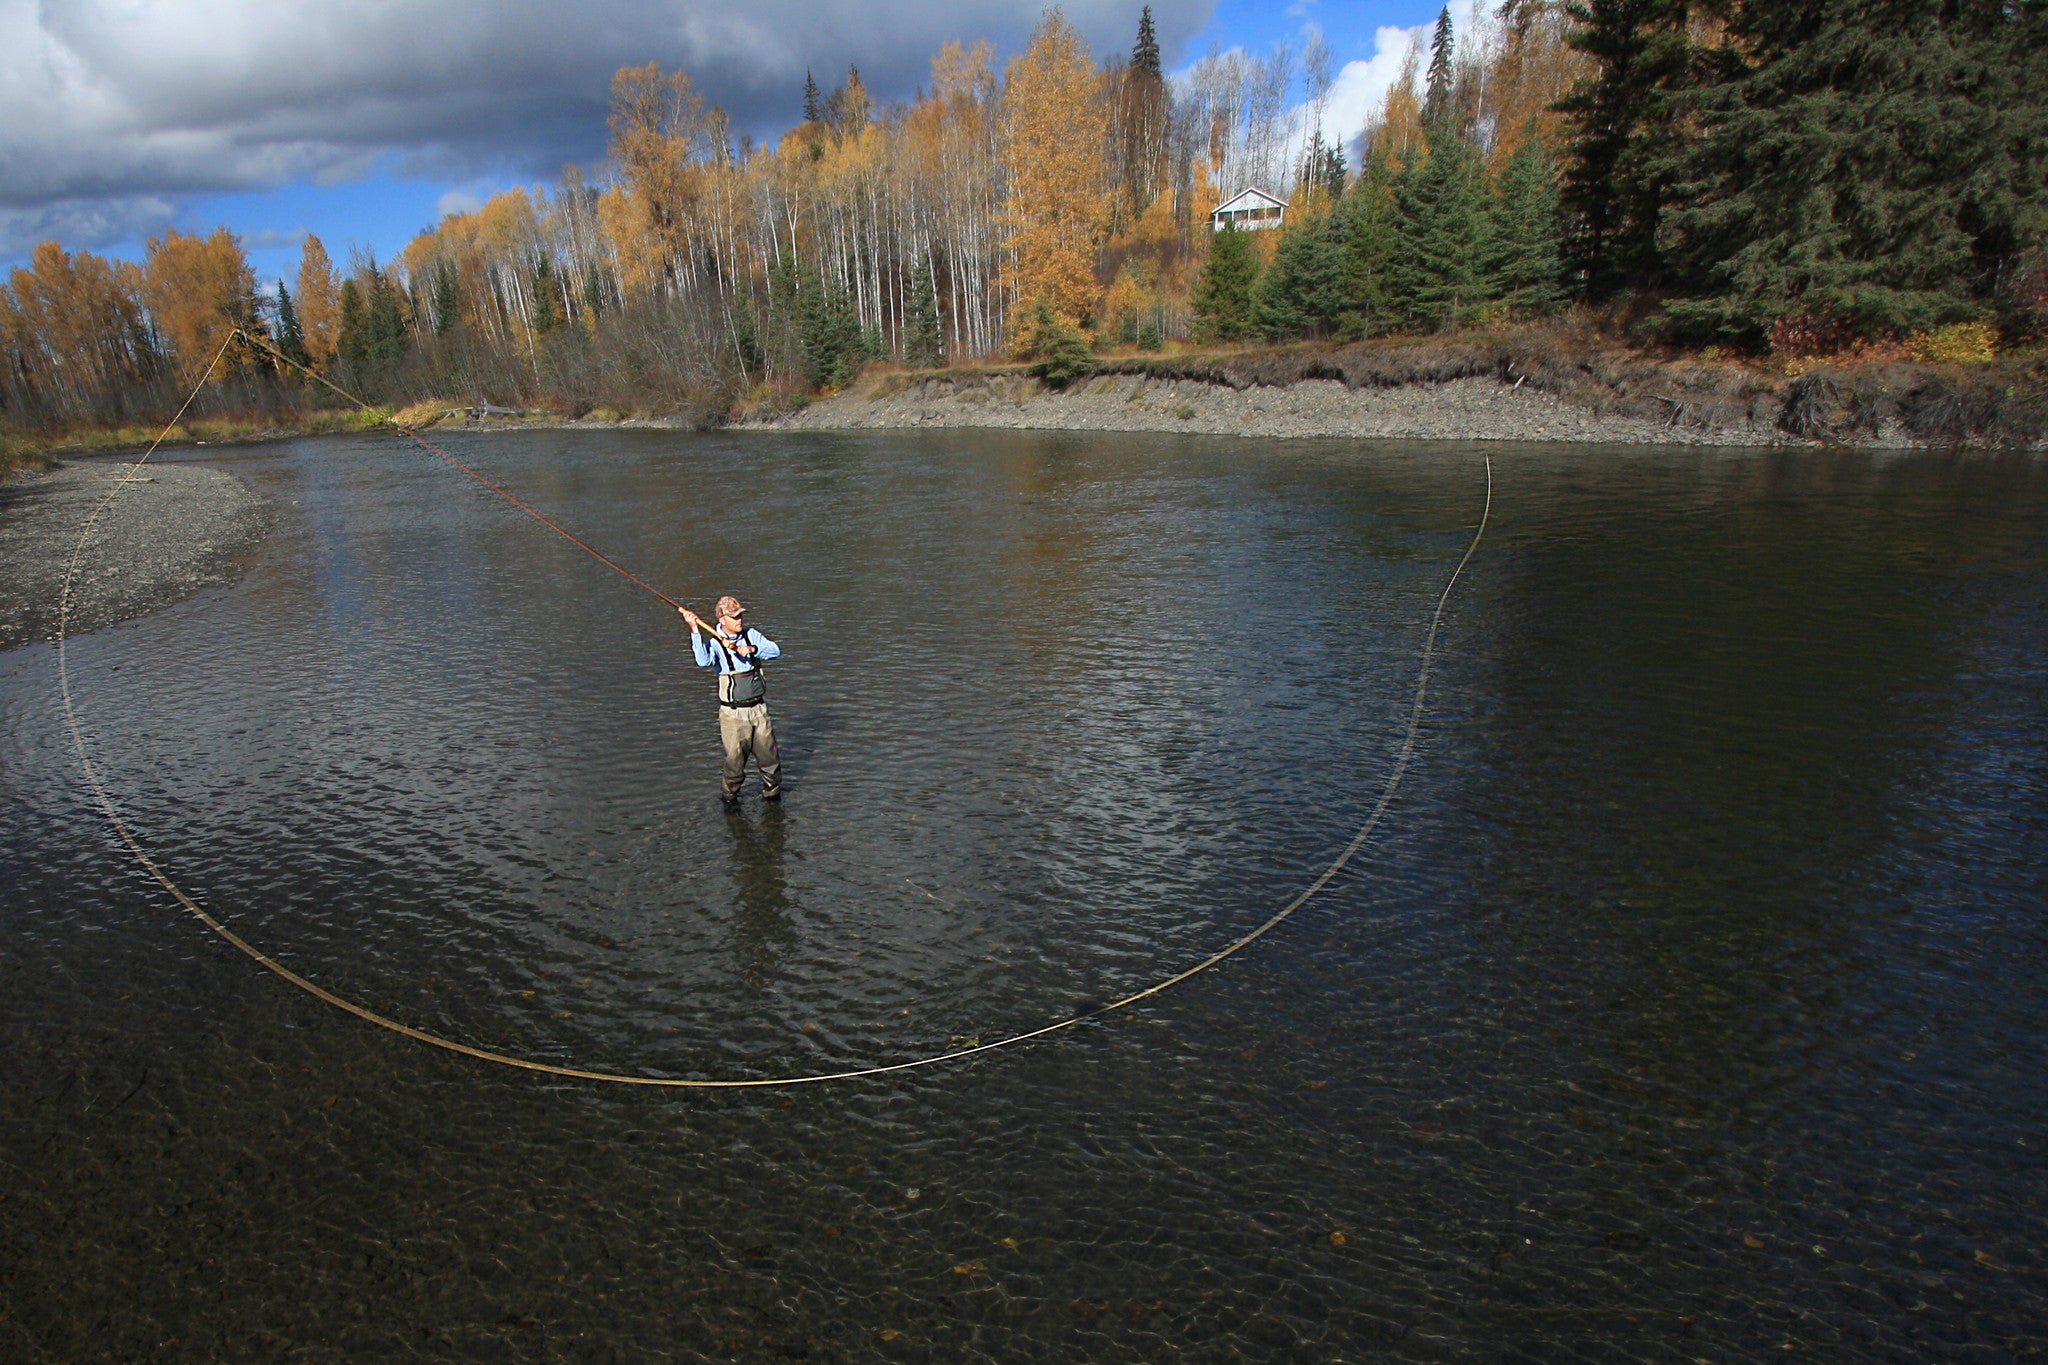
<point>1249,199</point>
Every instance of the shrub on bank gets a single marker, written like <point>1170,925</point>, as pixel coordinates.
<point>1958,343</point>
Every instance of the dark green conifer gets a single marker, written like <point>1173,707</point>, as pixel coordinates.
<point>1334,175</point>
<point>1438,101</point>
<point>1060,353</point>
<point>349,340</point>
<point>547,298</point>
<point>810,97</point>
<point>291,338</point>
<point>1302,293</point>
<point>1222,301</point>
<point>1145,53</point>
<point>925,346</point>
<point>784,286</point>
<point>384,321</point>
<point>1876,161</point>
<point>1617,161</point>
<point>1369,253</point>
<point>828,333</point>
<point>1436,275</point>
<point>447,305</point>
<point>1525,261</point>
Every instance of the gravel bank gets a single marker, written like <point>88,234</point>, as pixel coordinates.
<point>1461,410</point>
<point>169,532</point>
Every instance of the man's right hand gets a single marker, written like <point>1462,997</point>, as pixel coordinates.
<point>696,621</point>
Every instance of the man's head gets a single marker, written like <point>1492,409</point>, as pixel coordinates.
<point>729,609</point>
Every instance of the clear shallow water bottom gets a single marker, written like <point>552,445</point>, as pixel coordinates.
<point>1688,1005</point>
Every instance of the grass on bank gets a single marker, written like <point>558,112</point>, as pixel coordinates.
<point>34,450</point>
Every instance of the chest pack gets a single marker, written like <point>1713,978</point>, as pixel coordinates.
<point>742,689</point>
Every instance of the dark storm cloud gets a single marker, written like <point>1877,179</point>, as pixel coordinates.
<point>112,110</point>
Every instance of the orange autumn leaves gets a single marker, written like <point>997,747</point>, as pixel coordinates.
<point>1054,144</point>
<point>84,327</point>
<point>198,289</point>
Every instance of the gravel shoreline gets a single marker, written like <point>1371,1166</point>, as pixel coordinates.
<point>1474,409</point>
<point>169,532</point>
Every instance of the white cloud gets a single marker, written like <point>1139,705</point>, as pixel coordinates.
<point>458,201</point>
<point>273,238</point>
<point>108,107</point>
<point>1361,87</point>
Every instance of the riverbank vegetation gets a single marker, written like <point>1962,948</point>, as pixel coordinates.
<point>1838,185</point>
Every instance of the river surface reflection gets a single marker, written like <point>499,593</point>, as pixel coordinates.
<point>1689,1004</point>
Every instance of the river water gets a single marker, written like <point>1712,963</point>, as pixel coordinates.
<point>1688,1004</point>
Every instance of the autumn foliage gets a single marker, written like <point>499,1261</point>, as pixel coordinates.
<point>1054,138</point>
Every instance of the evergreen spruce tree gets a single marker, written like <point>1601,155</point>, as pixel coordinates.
<point>1625,129</point>
<point>1439,92</point>
<point>291,338</point>
<point>547,298</point>
<point>1302,293</point>
<point>1436,274</point>
<point>350,341</point>
<point>383,321</point>
<point>1333,173</point>
<point>447,305</point>
<point>925,347</point>
<point>847,341</point>
<point>1878,161</point>
<point>1525,262</point>
<point>1141,123</point>
<point>1222,301</point>
<point>1322,167</point>
<point>828,333</point>
<point>1060,353</point>
<point>814,115</point>
<point>1145,52</point>
<point>1369,252</point>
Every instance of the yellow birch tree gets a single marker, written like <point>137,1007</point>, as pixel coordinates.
<point>198,288</point>
<point>1535,69</point>
<point>318,297</point>
<point>1055,137</point>
<point>657,126</point>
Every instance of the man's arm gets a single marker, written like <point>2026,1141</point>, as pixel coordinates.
<point>764,648</point>
<point>697,645</point>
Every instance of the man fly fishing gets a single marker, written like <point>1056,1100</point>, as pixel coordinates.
<point>737,650</point>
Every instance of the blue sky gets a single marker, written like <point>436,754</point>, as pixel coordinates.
<point>121,117</point>
<point>1349,28</point>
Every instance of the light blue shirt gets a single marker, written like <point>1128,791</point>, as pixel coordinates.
<point>712,651</point>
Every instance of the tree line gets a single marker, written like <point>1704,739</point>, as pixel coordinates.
<point>1732,172</point>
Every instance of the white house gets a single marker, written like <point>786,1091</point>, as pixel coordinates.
<point>1251,209</point>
